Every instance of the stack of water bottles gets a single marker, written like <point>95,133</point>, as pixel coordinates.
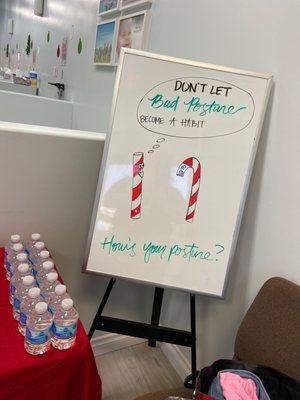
<point>41,304</point>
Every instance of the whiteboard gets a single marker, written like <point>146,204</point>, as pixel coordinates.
<point>176,170</point>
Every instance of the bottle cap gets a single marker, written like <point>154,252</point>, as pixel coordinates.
<point>22,257</point>
<point>15,238</point>
<point>60,289</point>
<point>44,254</point>
<point>41,307</point>
<point>67,304</point>
<point>34,292</point>
<point>39,245</point>
<point>18,247</point>
<point>52,277</point>
<point>23,268</point>
<point>47,265</point>
<point>28,280</point>
<point>35,236</point>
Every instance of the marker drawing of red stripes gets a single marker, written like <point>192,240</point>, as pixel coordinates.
<point>137,185</point>
<point>195,165</point>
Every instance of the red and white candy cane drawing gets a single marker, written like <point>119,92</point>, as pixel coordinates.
<point>195,165</point>
<point>137,185</point>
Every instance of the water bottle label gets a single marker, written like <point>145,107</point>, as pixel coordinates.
<point>12,289</point>
<point>23,318</point>
<point>17,303</point>
<point>64,332</point>
<point>37,337</point>
<point>8,266</point>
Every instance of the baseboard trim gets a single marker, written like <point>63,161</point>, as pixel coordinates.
<point>178,361</point>
<point>112,342</point>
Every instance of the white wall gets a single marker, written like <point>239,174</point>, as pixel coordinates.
<point>29,109</point>
<point>258,35</point>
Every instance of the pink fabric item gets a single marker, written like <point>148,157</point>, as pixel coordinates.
<point>237,388</point>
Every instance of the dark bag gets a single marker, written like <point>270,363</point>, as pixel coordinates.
<point>278,385</point>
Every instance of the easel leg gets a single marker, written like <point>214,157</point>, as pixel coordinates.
<point>101,307</point>
<point>157,303</point>
<point>190,380</point>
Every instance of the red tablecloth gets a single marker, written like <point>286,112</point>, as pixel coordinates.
<point>56,375</point>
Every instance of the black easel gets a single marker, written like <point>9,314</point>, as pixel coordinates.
<point>153,332</point>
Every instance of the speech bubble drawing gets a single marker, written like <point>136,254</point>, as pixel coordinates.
<point>156,146</point>
<point>195,108</point>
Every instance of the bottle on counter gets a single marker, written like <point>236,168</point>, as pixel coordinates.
<point>21,291</point>
<point>47,267</point>
<point>12,258</point>
<point>43,256</point>
<point>27,307</point>
<point>22,270</point>
<point>21,258</point>
<point>35,251</point>
<point>35,238</point>
<point>64,326</point>
<point>38,330</point>
<point>13,240</point>
<point>48,285</point>
<point>55,298</point>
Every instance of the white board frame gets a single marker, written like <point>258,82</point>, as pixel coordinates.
<point>213,67</point>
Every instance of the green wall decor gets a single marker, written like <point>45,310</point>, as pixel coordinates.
<point>28,46</point>
<point>79,47</point>
<point>48,37</point>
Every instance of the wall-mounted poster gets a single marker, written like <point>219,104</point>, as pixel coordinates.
<point>133,3</point>
<point>108,6</point>
<point>105,40</point>
<point>131,33</point>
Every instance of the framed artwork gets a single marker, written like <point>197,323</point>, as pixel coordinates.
<point>105,43</point>
<point>108,6</point>
<point>125,4</point>
<point>131,32</point>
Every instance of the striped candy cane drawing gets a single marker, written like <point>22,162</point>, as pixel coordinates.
<point>195,165</point>
<point>137,185</point>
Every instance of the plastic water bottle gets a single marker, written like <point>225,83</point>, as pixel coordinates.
<point>21,258</point>
<point>47,267</point>
<point>13,240</point>
<point>35,237</point>
<point>21,291</point>
<point>12,258</point>
<point>48,285</point>
<point>22,270</point>
<point>36,249</point>
<point>38,330</point>
<point>64,326</point>
<point>27,307</point>
<point>43,256</point>
<point>55,298</point>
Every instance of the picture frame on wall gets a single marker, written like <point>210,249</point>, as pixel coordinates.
<point>107,7</point>
<point>132,32</point>
<point>127,4</point>
<point>104,53</point>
